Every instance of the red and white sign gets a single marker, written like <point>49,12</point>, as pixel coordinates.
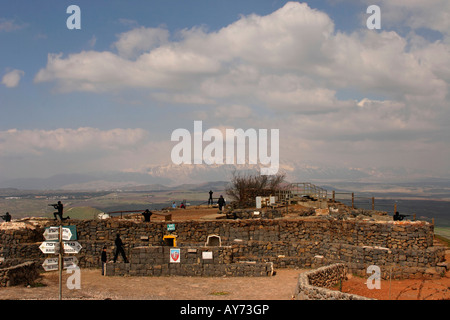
<point>175,255</point>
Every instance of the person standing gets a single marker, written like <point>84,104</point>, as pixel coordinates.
<point>221,203</point>
<point>119,249</point>
<point>104,259</point>
<point>147,214</point>
<point>210,200</point>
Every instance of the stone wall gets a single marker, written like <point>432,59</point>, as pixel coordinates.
<point>308,242</point>
<point>24,273</point>
<point>314,284</point>
<point>155,261</point>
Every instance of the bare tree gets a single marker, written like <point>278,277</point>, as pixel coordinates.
<point>245,187</point>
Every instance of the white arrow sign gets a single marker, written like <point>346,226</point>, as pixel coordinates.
<point>72,247</point>
<point>50,247</point>
<point>51,264</point>
<point>52,233</point>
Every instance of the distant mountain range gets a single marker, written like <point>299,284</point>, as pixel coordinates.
<point>193,175</point>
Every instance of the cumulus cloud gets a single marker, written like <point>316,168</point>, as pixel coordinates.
<point>292,63</point>
<point>432,14</point>
<point>295,45</point>
<point>137,41</point>
<point>12,78</point>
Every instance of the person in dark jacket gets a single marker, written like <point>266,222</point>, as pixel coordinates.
<point>221,202</point>
<point>119,249</point>
<point>104,259</point>
<point>147,214</point>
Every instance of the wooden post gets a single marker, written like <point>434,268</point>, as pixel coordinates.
<point>353,200</point>
<point>395,208</point>
<point>334,196</point>
<point>60,262</point>
<point>373,203</point>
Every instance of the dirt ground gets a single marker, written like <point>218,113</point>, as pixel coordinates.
<point>97,287</point>
<point>409,289</point>
<point>281,286</point>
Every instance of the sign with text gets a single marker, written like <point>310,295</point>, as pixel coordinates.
<point>49,247</point>
<point>51,264</point>
<point>52,233</point>
<point>171,227</point>
<point>72,247</point>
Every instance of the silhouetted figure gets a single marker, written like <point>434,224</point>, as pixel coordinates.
<point>400,217</point>
<point>60,207</point>
<point>104,259</point>
<point>221,202</point>
<point>119,248</point>
<point>7,217</point>
<point>210,200</point>
<point>147,214</point>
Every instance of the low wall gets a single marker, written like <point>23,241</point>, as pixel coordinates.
<point>155,261</point>
<point>407,247</point>
<point>24,273</point>
<point>312,285</point>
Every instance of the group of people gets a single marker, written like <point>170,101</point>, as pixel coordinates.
<point>221,201</point>
<point>119,249</point>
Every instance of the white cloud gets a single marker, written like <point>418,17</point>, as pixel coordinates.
<point>24,142</point>
<point>12,78</point>
<point>432,14</point>
<point>8,25</point>
<point>133,43</point>
<point>292,65</point>
<point>293,42</point>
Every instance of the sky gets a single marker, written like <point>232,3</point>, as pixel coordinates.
<point>108,96</point>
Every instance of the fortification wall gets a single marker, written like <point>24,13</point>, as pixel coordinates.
<point>155,261</point>
<point>24,273</point>
<point>406,246</point>
<point>315,284</point>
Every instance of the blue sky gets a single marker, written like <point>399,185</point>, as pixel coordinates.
<point>40,29</point>
<point>108,96</point>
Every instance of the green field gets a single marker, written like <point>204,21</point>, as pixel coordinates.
<point>442,231</point>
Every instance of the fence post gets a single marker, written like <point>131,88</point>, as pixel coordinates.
<point>334,196</point>
<point>373,203</point>
<point>353,200</point>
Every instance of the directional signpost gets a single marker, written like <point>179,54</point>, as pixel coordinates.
<point>49,247</point>
<point>51,264</point>
<point>59,240</point>
<point>72,247</point>
<point>52,233</point>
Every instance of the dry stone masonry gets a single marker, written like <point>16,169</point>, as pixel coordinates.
<point>313,285</point>
<point>404,249</point>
